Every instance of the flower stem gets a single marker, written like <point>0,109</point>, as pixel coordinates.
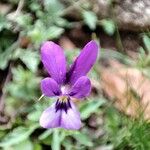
<point>56,140</point>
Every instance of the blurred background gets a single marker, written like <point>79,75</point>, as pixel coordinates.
<point>117,113</point>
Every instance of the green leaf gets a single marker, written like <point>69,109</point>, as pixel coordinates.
<point>45,134</point>
<point>17,136</point>
<point>61,22</point>
<point>36,32</point>
<point>4,23</point>
<point>90,107</point>
<point>2,134</point>
<point>40,32</point>
<point>67,144</point>
<point>4,59</point>
<point>54,7</point>
<point>34,116</point>
<point>21,80</point>
<point>83,139</point>
<point>30,59</point>
<point>6,52</point>
<point>54,32</point>
<point>146,41</point>
<point>24,20</point>
<point>37,146</point>
<point>90,19</point>
<point>25,145</point>
<point>108,26</point>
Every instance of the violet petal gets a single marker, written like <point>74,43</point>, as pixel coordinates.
<point>54,61</point>
<point>50,87</point>
<point>84,62</point>
<point>81,88</point>
<point>50,118</point>
<point>71,120</point>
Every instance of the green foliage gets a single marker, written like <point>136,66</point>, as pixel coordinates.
<point>24,84</point>
<point>90,19</point>
<point>83,139</point>
<point>54,7</point>
<point>7,47</point>
<point>25,145</point>
<point>109,26</point>
<point>146,41</point>
<point>45,134</point>
<point>4,23</point>
<point>23,20</point>
<point>17,135</point>
<point>29,58</point>
<point>90,106</point>
<point>125,133</point>
<point>143,61</point>
<point>41,33</point>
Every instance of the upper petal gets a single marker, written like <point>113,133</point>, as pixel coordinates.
<point>84,62</point>
<point>71,120</point>
<point>50,118</point>
<point>54,61</point>
<point>50,87</point>
<point>81,88</point>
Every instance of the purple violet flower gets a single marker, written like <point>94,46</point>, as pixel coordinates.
<point>65,84</point>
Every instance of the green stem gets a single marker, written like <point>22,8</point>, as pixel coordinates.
<point>56,140</point>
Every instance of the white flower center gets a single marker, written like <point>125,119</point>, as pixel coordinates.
<point>65,89</point>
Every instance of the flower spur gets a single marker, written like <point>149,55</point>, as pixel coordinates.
<point>65,84</point>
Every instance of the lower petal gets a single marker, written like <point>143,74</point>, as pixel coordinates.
<point>71,119</point>
<point>50,118</point>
